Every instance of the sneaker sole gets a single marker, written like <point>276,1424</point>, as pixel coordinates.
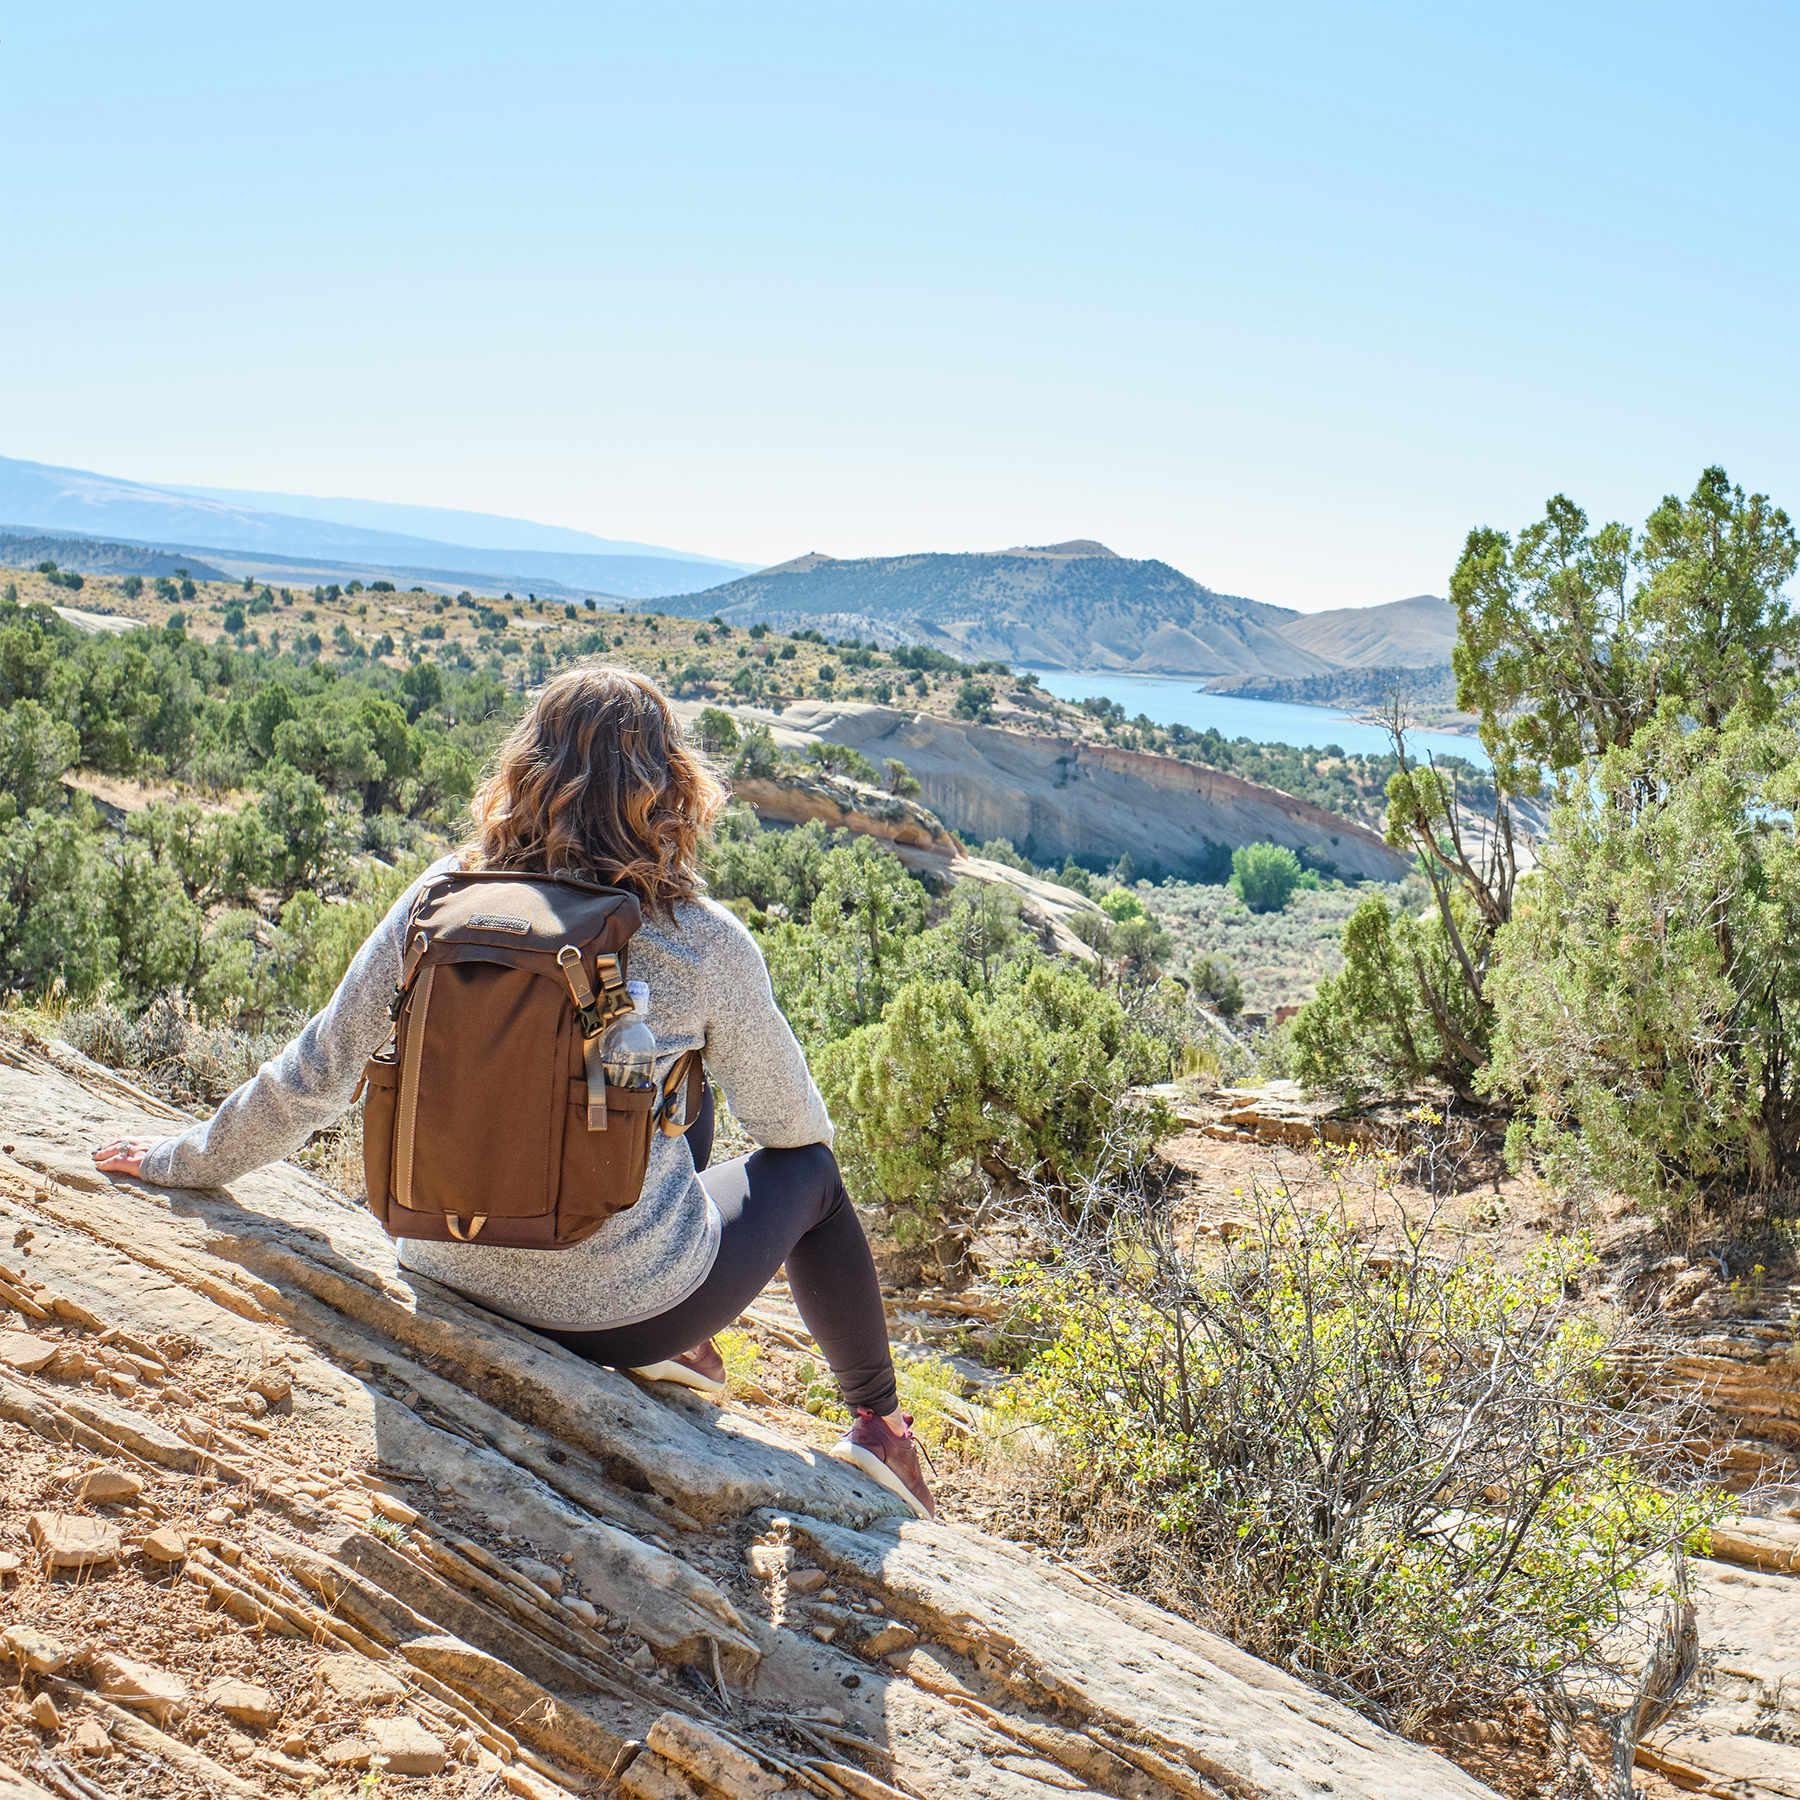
<point>878,1471</point>
<point>680,1375</point>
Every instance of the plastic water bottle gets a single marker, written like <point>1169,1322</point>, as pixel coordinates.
<point>629,1052</point>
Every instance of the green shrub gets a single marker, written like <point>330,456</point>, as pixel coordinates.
<point>717,731</point>
<point>974,700</point>
<point>759,756</point>
<point>841,967</point>
<point>1647,991</point>
<point>953,1092</point>
<point>1264,876</point>
<point>1216,986</point>
<point>36,750</point>
<point>842,759</point>
<point>896,777</point>
<point>776,872</point>
<point>53,916</point>
<point>1397,1013</point>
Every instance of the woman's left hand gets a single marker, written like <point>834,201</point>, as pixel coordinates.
<point>124,1156</point>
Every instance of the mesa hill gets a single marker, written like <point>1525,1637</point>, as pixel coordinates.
<point>1071,605</point>
<point>315,1515</point>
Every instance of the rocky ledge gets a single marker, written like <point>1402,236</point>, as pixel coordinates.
<point>275,1517</point>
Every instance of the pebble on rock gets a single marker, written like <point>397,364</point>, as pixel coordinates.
<point>89,1738</point>
<point>405,1746</point>
<point>358,1681</point>
<point>768,1560</point>
<point>248,1702</point>
<point>888,1638</point>
<point>273,1385</point>
<point>109,1486</point>
<point>165,1545</point>
<point>347,1753</point>
<point>549,1579</point>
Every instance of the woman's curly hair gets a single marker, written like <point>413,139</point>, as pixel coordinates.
<point>598,781</point>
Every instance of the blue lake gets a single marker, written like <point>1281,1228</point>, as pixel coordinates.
<point>1180,700</point>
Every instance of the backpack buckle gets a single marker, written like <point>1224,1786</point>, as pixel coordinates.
<point>581,991</point>
<point>615,1002</point>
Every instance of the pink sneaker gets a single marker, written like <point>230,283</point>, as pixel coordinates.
<point>889,1457</point>
<point>702,1369</point>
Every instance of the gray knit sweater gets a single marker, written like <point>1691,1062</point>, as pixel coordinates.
<point>709,988</point>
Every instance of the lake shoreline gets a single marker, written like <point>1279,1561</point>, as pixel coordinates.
<point>1169,700</point>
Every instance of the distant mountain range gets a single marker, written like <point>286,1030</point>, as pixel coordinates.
<point>298,537</point>
<point>1074,605</point>
<point>1077,605</point>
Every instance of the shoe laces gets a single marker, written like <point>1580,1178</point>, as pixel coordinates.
<point>908,1436</point>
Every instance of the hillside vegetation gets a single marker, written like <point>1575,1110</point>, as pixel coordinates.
<point>518,639</point>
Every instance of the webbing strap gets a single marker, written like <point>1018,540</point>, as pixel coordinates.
<point>688,1073</point>
<point>596,1082</point>
<point>409,970</point>
<point>593,1031</point>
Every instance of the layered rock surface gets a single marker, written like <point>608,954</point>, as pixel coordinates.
<point>436,1543</point>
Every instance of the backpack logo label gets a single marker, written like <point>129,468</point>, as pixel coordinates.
<point>499,922</point>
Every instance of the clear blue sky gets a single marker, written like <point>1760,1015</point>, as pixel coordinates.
<point>1288,295</point>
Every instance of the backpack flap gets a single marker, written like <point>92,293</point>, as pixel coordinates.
<point>523,915</point>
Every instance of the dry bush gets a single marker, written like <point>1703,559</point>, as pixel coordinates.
<point>167,1049</point>
<point>1418,1479</point>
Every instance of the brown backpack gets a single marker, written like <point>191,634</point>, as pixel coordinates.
<point>488,1115</point>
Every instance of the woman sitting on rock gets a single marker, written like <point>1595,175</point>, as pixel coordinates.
<point>597,782</point>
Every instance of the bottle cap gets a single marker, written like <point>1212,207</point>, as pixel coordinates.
<point>640,994</point>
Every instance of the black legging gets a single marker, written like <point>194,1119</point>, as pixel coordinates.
<point>777,1206</point>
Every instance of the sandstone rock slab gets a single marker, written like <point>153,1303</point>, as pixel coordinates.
<point>73,1540</point>
<point>155,1692</point>
<point>25,1353</point>
<point>405,1747</point>
<point>248,1702</point>
<point>36,1650</point>
<point>641,1503</point>
<point>109,1485</point>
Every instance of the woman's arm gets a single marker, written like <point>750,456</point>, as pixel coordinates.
<point>751,1049</point>
<point>300,1091</point>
